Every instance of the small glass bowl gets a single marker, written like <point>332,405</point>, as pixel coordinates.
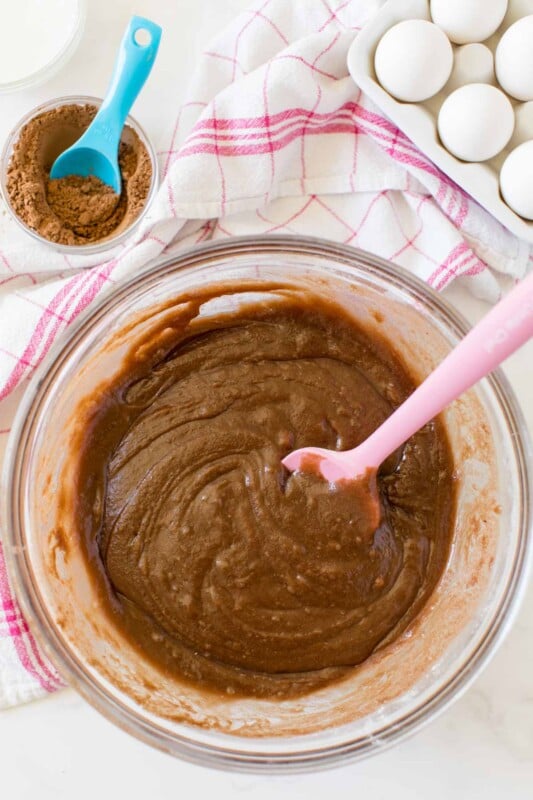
<point>60,59</point>
<point>402,686</point>
<point>111,242</point>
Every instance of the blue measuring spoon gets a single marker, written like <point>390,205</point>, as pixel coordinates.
<point>96,152</point>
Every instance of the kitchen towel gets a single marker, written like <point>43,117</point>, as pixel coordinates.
<point>274,137</point>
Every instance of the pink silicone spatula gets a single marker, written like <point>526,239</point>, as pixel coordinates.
<point>506,327</point>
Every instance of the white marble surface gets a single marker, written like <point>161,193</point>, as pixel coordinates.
<point>482,748</point>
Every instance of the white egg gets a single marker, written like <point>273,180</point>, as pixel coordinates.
<point>514,59</point>
<point>516,180</point>
<point>473,63</point>
<point>476,122</point>
<point>466,21</point>
<point>413,60</point>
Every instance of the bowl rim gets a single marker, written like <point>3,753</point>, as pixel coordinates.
<point>231,757</point>
<point>105,246</point>
<point>62,57</point>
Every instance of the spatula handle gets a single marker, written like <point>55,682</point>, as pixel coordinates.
<point>502,331</point>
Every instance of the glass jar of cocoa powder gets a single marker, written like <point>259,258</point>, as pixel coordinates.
<point>58,216</point>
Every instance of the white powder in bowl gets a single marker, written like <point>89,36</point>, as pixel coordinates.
<point>33,35</point>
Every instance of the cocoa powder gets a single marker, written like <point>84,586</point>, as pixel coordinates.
<point>74,210</point>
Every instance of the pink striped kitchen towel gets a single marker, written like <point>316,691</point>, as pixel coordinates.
<point>274,137</point>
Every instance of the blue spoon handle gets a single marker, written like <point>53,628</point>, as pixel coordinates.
<point>133,65</point>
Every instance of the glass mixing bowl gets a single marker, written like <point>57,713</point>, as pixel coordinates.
<point>106,246</point>
<point>403,685</point>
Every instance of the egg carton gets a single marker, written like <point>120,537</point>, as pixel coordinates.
<point>419,120</point>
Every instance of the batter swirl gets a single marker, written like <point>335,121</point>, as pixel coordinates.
<point>219,565</point>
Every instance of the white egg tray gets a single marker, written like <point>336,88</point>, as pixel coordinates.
<point>419,120</point>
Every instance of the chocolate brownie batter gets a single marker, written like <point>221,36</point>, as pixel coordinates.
<point>219,565</point>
